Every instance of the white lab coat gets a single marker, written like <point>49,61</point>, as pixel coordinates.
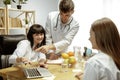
<point>59,34</point>
<point>101,67</point>
<point>24,50</point>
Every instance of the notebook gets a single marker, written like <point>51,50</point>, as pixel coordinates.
<point>36,72</point>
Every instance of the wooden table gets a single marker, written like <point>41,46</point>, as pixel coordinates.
<point>16,73</point>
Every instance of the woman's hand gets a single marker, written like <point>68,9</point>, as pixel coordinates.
<point>78,75</point>
<point>42,63</point>
<point>23,60</point>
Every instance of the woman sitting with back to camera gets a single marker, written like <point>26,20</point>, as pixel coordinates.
<point>25,51</point>
<point>105,65</point>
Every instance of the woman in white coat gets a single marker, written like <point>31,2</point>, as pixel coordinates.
<point>105,65</point>
<point>25,51</point>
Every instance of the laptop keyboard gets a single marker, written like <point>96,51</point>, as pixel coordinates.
<point>33,72</point>
<point>36,72</point>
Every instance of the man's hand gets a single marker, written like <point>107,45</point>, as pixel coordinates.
<point>43,49</point>
<point>53,56</point>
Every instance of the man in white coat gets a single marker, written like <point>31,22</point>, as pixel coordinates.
<point>60,28</point>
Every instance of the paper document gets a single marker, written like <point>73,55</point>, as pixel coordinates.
<point>58,61</point>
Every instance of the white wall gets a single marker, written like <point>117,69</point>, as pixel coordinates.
<point>87,11</point>
<point>41,7</point>
<point>112,10</point>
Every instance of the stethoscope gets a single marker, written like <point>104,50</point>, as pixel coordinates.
<point>55,28</point>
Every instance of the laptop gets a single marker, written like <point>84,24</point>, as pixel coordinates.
<point>36,72</point>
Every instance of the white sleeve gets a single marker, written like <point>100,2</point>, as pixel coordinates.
<point>42,56</point>
<point>66,41</point>
<point>19,51</point>
<point>94,70</point>
<point>90,73</point>
<point>48,30</point>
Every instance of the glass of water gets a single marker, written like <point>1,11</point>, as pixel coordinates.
<point>64,67</point>
<point>77,51</point>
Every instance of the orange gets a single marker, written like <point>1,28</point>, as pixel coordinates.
<point>65,55</point>
<point>72,60</point>
<point>70,53</point>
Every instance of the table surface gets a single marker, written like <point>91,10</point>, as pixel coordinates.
<point>16,73</point>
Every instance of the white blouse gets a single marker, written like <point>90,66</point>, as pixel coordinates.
<point>24,50</point>
<point>101,67</point>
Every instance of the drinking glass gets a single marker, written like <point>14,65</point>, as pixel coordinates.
<point>77,51</point>
<point>64,67</point>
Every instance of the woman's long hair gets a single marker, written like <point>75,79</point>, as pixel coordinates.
<point>36,29</point>
<point>107,38</point>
